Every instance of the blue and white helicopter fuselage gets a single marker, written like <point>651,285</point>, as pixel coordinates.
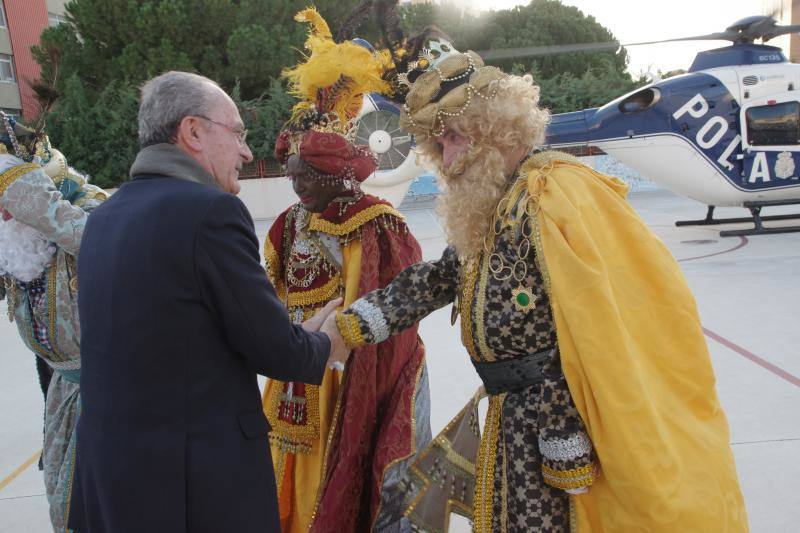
<point>725,133</point>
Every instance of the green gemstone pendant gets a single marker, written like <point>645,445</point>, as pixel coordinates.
<point>523,299</point>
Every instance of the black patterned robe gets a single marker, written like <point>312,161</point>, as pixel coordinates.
<point>534,447</point>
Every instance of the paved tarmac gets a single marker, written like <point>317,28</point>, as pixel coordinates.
<point>748,293</point>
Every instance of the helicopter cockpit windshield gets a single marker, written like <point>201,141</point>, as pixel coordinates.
<point>640,100</point>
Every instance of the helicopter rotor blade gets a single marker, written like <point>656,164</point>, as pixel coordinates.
<point>719,36</point>
<point>780,30</point>
<point>536,51</point>
<point>746,30</point>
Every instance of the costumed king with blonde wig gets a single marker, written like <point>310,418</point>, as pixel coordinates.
<point>603,414</point>
<point>341,448</point>
<point>45,205</point>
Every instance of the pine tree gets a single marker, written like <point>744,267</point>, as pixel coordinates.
<point>99,58</point>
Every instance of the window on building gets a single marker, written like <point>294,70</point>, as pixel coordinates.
<point>7,69</point>
<point>56,19</point>
<point>3,23</point>
<point>774,125</point>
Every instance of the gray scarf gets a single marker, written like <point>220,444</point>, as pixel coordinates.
<point>169,160</point>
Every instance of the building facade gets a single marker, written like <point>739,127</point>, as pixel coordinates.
<point>21,25</point>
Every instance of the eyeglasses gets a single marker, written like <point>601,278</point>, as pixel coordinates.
<point>241,133</point>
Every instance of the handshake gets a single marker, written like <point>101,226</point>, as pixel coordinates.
<point>325,321</point>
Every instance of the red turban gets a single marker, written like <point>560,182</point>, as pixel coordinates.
<point>329,153</point>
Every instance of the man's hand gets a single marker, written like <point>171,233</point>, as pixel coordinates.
<point>316,321</point>
<point>339,350</point>
<point>325,321</point>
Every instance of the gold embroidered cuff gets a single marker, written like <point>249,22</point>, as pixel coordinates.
<point>12,174</point>
<point>350,330</point>
<point>570,479</point>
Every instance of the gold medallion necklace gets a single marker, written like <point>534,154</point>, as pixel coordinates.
<point>513,268</point>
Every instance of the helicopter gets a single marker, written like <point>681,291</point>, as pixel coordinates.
<point>725,133</point>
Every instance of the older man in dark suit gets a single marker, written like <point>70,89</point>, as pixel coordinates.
<point>177,318</point>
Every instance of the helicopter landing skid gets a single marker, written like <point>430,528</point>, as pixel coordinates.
<point>756,219</point>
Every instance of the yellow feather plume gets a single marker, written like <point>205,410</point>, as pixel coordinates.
<point>334,77</point>
<point>319,28</point>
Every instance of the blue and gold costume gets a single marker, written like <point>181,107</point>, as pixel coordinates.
<point>54,200</point>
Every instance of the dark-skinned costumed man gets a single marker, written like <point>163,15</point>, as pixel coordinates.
<point>341,448</point>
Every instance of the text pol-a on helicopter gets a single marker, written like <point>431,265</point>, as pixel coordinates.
<point>726,133</point>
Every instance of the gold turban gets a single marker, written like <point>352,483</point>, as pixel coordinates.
<point>446,91</point>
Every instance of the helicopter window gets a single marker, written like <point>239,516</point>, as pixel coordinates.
<point>772,125</point>
<point>640,101</point>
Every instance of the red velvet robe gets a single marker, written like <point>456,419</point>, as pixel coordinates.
<point>374,419</point>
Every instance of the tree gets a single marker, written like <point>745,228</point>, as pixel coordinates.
<point>570,81</point>
<point>261,116</point>
<point>595,87</point>
<point>108,48</point>
<point>99,58</point>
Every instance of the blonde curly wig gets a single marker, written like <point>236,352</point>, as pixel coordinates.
<point>475,182</point>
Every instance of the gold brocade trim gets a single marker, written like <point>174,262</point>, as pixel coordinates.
<point>504,484</point>
<point>454,457</point>
<point>573,515</point>
<point>569,479</point>
<point>420,370</point>
<point>72,274</point>
<point>543,158</point>
<point>534,215</point>
<point>354,222</point>
<point>288,444</point>
<point>316,296</point>
<point>487,457</point>
<point>334,424</point>
<point>52,299</point>
<point>279,466</point>
<point>91,194</point>
<point>11,175</point>
<point>541,263</point>
<point>485,354</point>
<point>465,302</point>
<point>350,330</point>
<point>11,292</point>
<point>73,459</point>
<point>272,261</point>
<point>441,439</point>
<point>293,438</point>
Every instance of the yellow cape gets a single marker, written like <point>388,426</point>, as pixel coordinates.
<point>635,359</point>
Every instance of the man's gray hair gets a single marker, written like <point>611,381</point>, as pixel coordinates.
<point>169,98</point>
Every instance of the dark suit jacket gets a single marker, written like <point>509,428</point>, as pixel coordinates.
<point>177,318</point>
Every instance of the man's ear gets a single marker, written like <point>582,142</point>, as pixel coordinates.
<point>189,132</point>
